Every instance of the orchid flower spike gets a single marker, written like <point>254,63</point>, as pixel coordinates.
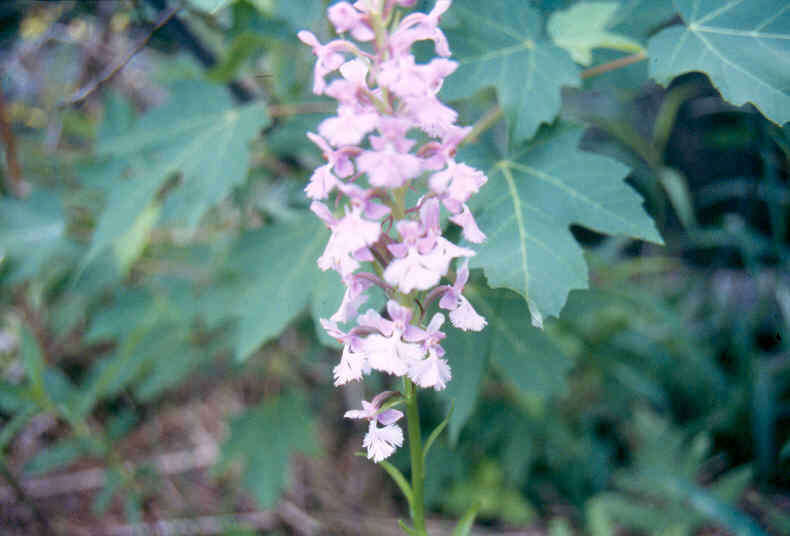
<point>378,242</point>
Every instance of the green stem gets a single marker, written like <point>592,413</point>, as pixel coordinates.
<point>491,118</point>
<point>415,451</point>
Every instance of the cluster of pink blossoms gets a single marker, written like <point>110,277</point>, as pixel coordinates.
<point>385,97</point>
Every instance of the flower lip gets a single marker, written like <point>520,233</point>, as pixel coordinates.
<point>371,411</point>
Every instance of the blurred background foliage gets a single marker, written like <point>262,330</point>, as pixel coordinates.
<point>159,357</point>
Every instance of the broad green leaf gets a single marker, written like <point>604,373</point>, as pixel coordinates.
<point>677,190</point>
<point>242,48</point>
<point>197,133</point>
<point>113,481</point>
<point>34,365</point>
<point>327,295</point>
<point>467,353</point>
<point>211,6</point>
<point>435,433</point>
<point>118,116</point>
<point>523,354</point>
<point>495,498</point>
<point>114,321</point>
<point>300,14</point>
<point>707,505</point>
<point>131,244</point>
<point>284,259</point>
<point>126,203</point>
<point>664,470</point>
<point>30,230</point>
<point>744,47</point>
<point>467,521</point>
<point>559,526</point>
<point>264,439</point>
<point>399,480</point>
<point>532,197</point>
<point>639,19</point>
<point>504,46</point>
<point>406,528</point>
<point>13,426</point>
<point>583,27</point>
<point>147,339</point>
<point>58,455</point>
<point>161,374</point>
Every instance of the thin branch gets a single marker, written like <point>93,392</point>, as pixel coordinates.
<point>613,65</point>
<point>111,71</point>
<point>303,108</point>
<point>298,520</point>
<point>14,176</point>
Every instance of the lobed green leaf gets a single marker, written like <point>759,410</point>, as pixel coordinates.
<point>744,47</point>
<point>504,46</point>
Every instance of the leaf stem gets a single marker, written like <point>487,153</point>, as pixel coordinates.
<point>484,123</point>
<point>613,65</point>
<point>108,74</point>
<point>416,453</point>
<point>300,108</point>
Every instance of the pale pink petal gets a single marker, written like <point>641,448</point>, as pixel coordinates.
<point>449,299</point>
<point>349,234</point>
<point>470,229</point>
<point>379,399</point>
<point>363,255</point>
<point>430,372</point>
<point>345,18</point>
<point>399,314</point>
<point>411,273</point>
<point>308,38</point>
<point>350,368</point>
<point>353,298</point>
<point>386,354</point>
<point>376,211</point>
<point>321,183</point>
<point>465,317</point>
<point>433,117</point>
<point>356,414</point>
<point>382,442</point>
<point>419,26</point>
<point>329,57</point>
<point>438,260</point>
<point>389,168</point>
<point>430,337</point>
<point>389,416</point>
<point>323,212</point>
<point>371,319</point>
<point>348,127</point>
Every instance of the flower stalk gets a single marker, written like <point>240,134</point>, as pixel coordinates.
<point>416,458</point>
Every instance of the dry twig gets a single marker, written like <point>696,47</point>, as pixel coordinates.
<point>14,171</point>
<point>112,70</point>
